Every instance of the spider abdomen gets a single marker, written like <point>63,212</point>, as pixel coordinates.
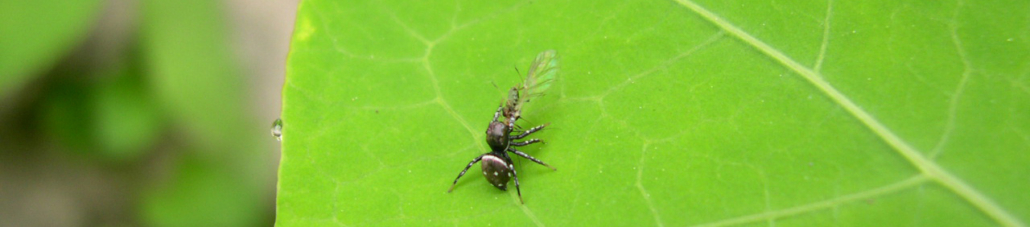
<point>497,170</point>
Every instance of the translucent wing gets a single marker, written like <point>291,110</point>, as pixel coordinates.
<point>541,74</point>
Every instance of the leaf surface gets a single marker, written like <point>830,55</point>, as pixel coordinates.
<point>667,113</point>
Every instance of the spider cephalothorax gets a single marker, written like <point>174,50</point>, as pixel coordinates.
<point>497,166</point>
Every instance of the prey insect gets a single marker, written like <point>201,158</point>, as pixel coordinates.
<point>501,134</point>
<point>540,76</point>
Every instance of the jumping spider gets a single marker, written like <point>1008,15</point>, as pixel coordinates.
<point>497,165</point>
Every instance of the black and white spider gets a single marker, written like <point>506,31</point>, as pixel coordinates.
<point>497,165</point>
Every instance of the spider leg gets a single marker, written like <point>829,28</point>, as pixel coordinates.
<point>517,190</point>
<point>511,122</point>
<point>498,113</point>
<point>524,143</point>
<point>530,131</point>
<point>531,158</point>
<point>474,161</point>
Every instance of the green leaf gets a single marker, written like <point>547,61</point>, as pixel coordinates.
<point>36,32</point>
<point>668,113</point>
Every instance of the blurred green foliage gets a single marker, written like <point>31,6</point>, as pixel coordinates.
<point>36,33</point>
<point>173,93</point>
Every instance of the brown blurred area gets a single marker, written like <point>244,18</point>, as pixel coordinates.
<point>156,113</point>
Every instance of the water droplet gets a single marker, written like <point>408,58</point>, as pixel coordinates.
<point>277,129</point>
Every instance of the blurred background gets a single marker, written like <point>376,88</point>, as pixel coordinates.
<point>140,112</point>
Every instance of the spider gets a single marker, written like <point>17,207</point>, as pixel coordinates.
<point>497,165</point>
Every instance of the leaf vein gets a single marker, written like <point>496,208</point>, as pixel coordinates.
<point>666,63</point>
<point>953,104</point>
<point>825,204</point>
<point>527,211</point>
<point>925,165</point>
<point>826,37</point>
<point>643,191</point>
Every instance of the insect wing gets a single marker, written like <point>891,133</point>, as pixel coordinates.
<point>541,74</point>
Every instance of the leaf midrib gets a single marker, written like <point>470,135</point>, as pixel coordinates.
<point>926,166</point>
